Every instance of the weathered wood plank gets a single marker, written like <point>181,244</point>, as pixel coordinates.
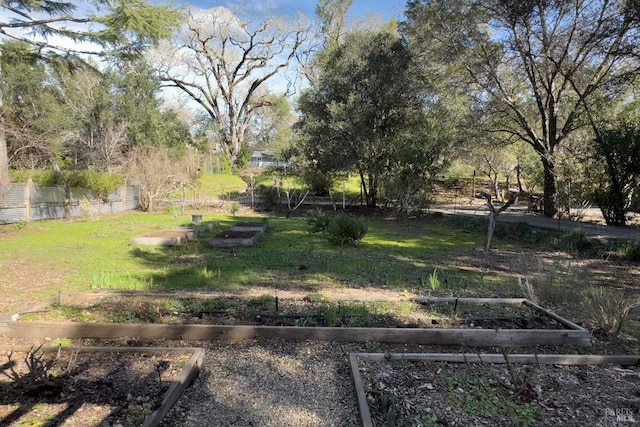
<point>361,395</point>
<point>544,359</point>
<point>435,300</point>
<point>471,337</point>
<point>190,371</point>
<point>569,324</point>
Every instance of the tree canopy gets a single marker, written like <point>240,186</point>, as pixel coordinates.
<point>59,29</point>
<point>365,114</point>
<point>534,67</point>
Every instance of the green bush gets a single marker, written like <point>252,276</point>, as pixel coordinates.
<point>631,251</point>
<point>346,229</point>
<point>43,177</point>
<point>319,183</point>
<point>269,197</point>
<point>318,220</point>
<point>96,182</point>
<point>575,240</point>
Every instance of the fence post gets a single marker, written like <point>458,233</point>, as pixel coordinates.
<point>124,196</point>
<point>27,200</point>
<point>67,201</point>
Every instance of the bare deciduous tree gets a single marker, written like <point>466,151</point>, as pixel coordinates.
<point>152,168</point>
<point>223,63</point>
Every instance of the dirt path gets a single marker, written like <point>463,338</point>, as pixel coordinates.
<point>594,229</point>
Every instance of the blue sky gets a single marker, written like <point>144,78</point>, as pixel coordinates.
<point>386,8</point>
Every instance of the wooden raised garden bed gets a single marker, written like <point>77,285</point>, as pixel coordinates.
<point>241,234</point>
<point>94,385</point>
<point>174,237</point>
<point>438,388</point>
<point>556,331</point>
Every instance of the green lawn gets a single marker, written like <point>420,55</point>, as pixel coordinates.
<point>100,254</point>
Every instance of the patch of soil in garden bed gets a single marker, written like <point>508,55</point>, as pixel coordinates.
<point>86,388</point>
<point>482,394</point>
<point>236,234</point>
<point>308,311</point>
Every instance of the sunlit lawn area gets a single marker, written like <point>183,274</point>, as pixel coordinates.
<point>99,254</point>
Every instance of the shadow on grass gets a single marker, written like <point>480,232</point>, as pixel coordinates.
<point>391,256</point>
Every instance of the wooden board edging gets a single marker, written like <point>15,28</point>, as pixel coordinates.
<point>569,324</point>
<point>470,337</point>
<point>545,359</point>
<point>554,359</point>
<point>190,371</point>
<point>434,300</point>
<point>361,395</point>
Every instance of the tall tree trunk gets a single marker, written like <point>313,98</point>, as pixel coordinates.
<point>4,154</point>
<point>550,188</point>
<point>493,216</point>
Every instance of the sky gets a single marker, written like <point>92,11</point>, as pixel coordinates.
<point>386,8</point>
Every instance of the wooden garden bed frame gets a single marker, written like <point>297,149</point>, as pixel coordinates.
<point>543,359</point>
<point>188,373</point>
<point>473,337</point>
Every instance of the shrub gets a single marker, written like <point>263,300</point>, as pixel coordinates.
<point>269,197</point>
<point>234,208</point>
<point>318,220</point>
<point>346,229</point>
<point>575,240</point>
<point>608,308</point>
<point>97,182</point>
<point>43,177</point>
<point>631,251</point>
<point>86,208</point>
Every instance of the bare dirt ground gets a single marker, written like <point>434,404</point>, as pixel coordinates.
<point>83,389</point>
<point>477,394</point>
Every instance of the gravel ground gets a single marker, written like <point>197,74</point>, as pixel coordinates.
<point>286,383</point>
<point>270,383</point>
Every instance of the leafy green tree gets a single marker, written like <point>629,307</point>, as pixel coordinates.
<point>122,28</point>
<point>363,111</point>
<point>33,112</point>
<point>618,151</point>
<point>535,66</point>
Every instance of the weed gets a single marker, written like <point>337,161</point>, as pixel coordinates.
<point>42,373</point>
<point>234,208</point>
<point>372,345</point>
<point>608,308</point>
<point>62,342</point>
<point>575,240</point>
<point>20,225</point>
<point>481,392</point>
<point>318,220</point>
<point>86,208</point>
<point>555,284</point>
<point>527,289</point>
<point>387,402</point>
<point>630,251</point>
<point>102,280</point>
<point>329,313</point>
<point>434,282</point>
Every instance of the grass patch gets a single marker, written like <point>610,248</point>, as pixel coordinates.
<point>99,255</point>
